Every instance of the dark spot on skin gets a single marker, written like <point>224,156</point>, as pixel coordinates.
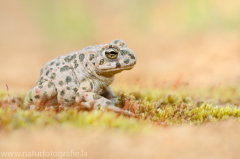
<point>52,63</point>
<point>75,89</point>
<point>126,61</point>
<point>68,79</point>
<point>31,99</point>
<point>77,94</point>
<point>75,65</point>
<point>86,65</point>
<point>51,68</point>
<point>68,58</point>
<point>47,72</point>
<point>91,86</point>
<point>40,86</point>
<point>50,84</point>
<point>61,83</point>
<point>63,63</point>
<point>134,62</point>
<point>36,96</point>
<point>115,41</point>
<point>96,96</point>
<point>53,76</point>
<point>68,88</point>
<point>57,64</point>
<point>91,56</point>
<point>74,56</point>
<point>122,44</point>
<point>66,100</point>
<point>62,93</point>
<point>132,56</point>
<point>84,88</point>
<point>101,62</point>
<point>41,71</point>
<point>41,79</point>
<point>118,65</point>
<point>108,102</point>
<point>93,63</point>
<point>81,57</point>
<point>124,52</point>
<point>65,68</point>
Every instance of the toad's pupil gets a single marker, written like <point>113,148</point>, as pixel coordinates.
<point>112,52</point>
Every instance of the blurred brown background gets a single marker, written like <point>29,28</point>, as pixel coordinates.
<point>192,41</point>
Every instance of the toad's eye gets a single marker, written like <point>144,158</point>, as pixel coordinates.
<point>111,54</point>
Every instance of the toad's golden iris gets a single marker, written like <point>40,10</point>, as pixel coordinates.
<point>111,54</point>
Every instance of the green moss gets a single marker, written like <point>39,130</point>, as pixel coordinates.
<point>13,119</point>
<point>153,107</point>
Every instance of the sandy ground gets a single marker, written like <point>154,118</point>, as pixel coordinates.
<point>216,141</point>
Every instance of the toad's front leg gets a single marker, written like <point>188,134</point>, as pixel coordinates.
<point>109,94</point>
<point>92,100</point>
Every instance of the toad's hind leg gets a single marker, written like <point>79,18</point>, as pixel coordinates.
<point>43,95</point>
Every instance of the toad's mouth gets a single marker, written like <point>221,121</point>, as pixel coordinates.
<point>110,72</point>
<point>117,69</point>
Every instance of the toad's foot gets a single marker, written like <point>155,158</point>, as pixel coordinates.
<point>92,100</point>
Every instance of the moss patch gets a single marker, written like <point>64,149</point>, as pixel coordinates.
<point>153,107</point>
